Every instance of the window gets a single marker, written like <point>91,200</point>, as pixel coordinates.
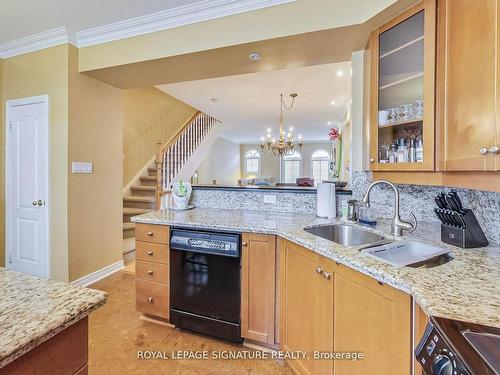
<point>320,162</point>
<point>292,167</point>
<point>252,159</point>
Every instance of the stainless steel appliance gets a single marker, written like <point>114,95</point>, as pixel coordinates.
<point>205,282</point>
<point>452,347</point>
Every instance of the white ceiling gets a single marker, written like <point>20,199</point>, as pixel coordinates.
<point>248,104</point>
<point>21,18</point>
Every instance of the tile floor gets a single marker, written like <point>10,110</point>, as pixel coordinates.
<point>116,335</point>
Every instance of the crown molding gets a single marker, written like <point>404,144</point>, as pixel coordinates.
<point>184,15</point>
<point>35,42</point>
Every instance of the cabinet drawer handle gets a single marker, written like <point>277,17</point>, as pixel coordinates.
<point>372,160</point>
<point>319,270</point>
<point>150,273</point>
<point>483,150</point>
<point>150,253</point>
<point>327,275</point>
<point>494,150</point>
<point>150,299</point>
<point>244,243</point>
<point>150,234</point>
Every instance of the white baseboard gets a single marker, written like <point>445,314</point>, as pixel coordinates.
<point>99,274</point>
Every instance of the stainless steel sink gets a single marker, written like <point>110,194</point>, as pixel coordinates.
<point>346,235</point>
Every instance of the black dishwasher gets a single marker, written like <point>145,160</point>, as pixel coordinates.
<point>205,282</point>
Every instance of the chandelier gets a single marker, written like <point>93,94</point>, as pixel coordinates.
<point>285,144</point>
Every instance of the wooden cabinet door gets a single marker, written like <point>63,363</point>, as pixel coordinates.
<point>497,156</point>
<point>258,286</point>
<point>466,82</point>
<point>306,303</point>
<point>373,319</point>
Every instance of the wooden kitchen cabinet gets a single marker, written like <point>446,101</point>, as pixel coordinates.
<point>306,307</point>
<point>258,287</point>
<point>402,82</point>
<point>152,284</point>
<point>468,87</point>
<point>372,318</point>
<point>327,307</point>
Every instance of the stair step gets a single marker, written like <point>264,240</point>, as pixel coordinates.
<point>148,180</point>
<point>139,201</point>
<point>128,212</point>
<point>152,171</point>
<point>149,191</point>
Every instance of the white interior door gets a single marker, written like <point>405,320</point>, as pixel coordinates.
<point>27,190</point>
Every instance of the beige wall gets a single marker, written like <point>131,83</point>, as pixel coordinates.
<point>39,73</point>
<point>150,116</point>
<point>270,165</point>
<point>94,200</point>
<point>273,22</point>
<point>221,163</point>
<point>2,173</point>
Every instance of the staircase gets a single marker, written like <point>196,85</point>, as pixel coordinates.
<point>171,160</point>
<point>141,201</point>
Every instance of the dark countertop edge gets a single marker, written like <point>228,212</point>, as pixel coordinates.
<point>304,190</point>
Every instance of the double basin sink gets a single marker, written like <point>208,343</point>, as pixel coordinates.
<point>397,253</point>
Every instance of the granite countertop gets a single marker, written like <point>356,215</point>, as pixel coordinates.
<point>33,309</point>
<point>466,288</point>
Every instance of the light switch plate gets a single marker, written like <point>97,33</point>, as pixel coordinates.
<point>270,199</point>
<point>81,167</point>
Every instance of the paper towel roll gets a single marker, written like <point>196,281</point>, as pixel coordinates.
<point>325,200</point>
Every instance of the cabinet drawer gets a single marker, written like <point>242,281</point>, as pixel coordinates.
<point>150,271</point>
<point>152,233</point>
<point>152,298</point>
<point>151,252</point>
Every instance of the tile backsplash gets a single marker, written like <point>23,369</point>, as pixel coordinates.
<point>420,200</point>
<point>415,198</point>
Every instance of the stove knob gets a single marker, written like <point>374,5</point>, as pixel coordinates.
<point>442,365</point>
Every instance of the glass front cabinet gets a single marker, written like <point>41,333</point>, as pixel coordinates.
<point>402,81</point>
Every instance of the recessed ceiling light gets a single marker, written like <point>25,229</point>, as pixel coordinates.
<point>329,122</point>
<point>333,102</point>
<point>340,73</point>
<point>254,56</point>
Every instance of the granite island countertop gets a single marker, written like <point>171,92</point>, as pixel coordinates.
<point>466,288</point>
<point>33,309</point>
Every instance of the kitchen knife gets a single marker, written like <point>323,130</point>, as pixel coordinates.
<point>439,215</point>
<point>439,202</point>
<point>458,201</point>
<point>442,198</point>
<point>460,219</point>
<point>452,203</point>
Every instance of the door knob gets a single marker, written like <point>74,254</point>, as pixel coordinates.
<point>372,160</point>
<point>319,270</point>
<point>327,275</point>
<point>494,150</point>
<point>244,243</point>
<point>150,299</point>
<point>150,273</point>
<point>34,203</point>
<point>150,253</point>
<point>483,150</point>
<point>38,203</point>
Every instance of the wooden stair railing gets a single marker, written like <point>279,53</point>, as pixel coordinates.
<point>172,156</point>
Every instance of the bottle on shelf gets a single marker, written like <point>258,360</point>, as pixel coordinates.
<point>402,151</point>
<point>419,151</point>
<point>393,153</point>
<point>411,152</point>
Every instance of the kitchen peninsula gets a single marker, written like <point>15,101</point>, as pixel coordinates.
<point>43,325</point>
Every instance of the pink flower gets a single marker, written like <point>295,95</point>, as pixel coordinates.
<point>334,134</point>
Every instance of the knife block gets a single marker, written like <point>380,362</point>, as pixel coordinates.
<point>470,236</point>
